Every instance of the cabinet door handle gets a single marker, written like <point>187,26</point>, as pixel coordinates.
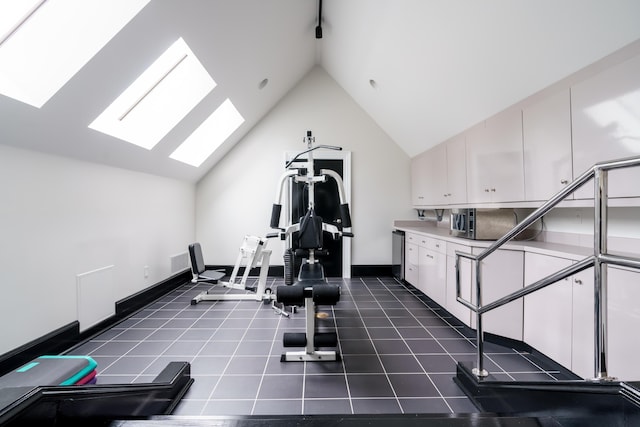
<point>493,190</point>
<point>564,181</point>
<point>486,190</point>
<point>430,256</point>
<point>578,281</point>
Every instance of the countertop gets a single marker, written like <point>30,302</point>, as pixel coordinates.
<point>533,246</point>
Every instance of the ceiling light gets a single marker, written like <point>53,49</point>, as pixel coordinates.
<point>209,135</point>
<point>162,96</point>
<point>43,44</point>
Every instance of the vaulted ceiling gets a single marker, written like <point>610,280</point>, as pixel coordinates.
<point>424,70</point>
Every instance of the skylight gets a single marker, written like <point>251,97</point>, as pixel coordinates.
<point>44,43</point>
<point>209,135</point>
<point>162,96</point>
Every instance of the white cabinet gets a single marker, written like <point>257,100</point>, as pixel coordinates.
<point>502,274</point>
<point>558,320</point>
<point>438,176</point>
<point>624,323</point>
<point>458,310</point>
<point>547,312</point>
<point>411,260</point>
<point>546,129</point>
<point>582,338</point>
<point>605,110</point>
<point>456,190</point>
<point>432,267</point>
<point>419,181</point>
<point>494,159</point>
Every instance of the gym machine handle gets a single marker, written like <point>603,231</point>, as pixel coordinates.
<point>346,216</point>
<point>275,215</point>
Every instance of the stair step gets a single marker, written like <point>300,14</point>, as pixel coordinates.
<point>406,420</point>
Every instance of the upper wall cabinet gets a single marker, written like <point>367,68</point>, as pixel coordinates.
<point>546,129</point>
<point>420,166</point>
<point>494,159</point>
<point>606,125</point>
<point>438,176</point>
<point>456,191</point>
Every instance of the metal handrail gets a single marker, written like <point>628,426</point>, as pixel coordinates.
<point>599,260</point>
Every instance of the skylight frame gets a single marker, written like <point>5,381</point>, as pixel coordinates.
<point>145,112</point>
<point>210,135</point>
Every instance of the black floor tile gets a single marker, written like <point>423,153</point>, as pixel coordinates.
<point>281,387</point>
<point>376,406</point>
<point>430,405</point>
<point>413,385</point>
<point>369,385</point>
<point>400,363</point>
<point>325,386</point>
<point>398,354</point>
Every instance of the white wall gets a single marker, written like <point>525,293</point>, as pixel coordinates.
<point>61,217</point>
<point>235,198</point>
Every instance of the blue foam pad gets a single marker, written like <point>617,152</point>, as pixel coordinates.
<point>50,370</point>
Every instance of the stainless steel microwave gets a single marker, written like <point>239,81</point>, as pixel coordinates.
<point>482,224</point>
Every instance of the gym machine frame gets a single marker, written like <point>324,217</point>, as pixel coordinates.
<point>311,288</point>
<point>254,252</point>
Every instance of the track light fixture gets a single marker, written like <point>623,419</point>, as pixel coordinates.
<point>319,27</point>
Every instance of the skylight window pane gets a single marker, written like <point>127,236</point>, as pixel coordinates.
<point>209,135</point>
<point>162,96</point>
<point>45,43</point>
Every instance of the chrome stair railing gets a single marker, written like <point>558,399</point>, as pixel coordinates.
<point>599,261</point>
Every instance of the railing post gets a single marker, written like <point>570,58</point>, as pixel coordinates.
<point>600,272</point>
<point>479,371</point>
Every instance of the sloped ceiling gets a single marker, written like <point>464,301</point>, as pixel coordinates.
<point>439,66</point>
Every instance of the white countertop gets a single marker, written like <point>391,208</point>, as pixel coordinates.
<point>544,248</point>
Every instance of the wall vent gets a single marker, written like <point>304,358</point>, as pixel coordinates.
<point>96,296</point>
<point>179,262</point>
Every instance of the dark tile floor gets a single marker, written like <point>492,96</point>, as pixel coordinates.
<point>399,352</point>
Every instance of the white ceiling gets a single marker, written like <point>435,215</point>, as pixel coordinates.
<point>440,66</point>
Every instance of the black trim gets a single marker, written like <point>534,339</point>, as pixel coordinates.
<point>370,270</point>
<point>133,303</point>
<point>69,336</point>
<point>54,342</point>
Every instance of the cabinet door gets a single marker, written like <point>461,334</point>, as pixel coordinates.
<point>456,171</point>
<point>502,274</point>
<point>547,312</point>
<point>419,180</point>
<point>624,323</point>
<point>458,310</point>
<point>494,159</point>
<point>504,156</point>
<point>411,263</point>
<point>605,110</point>
<point>437,194</point>
<point>433,275</point>
<point>582,338</point>
<point>478,172</point>
<point>546,128</point>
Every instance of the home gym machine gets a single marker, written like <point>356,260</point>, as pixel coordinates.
<point>305,241</point>
<point>253,253</point>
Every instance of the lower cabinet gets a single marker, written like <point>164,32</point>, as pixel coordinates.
<point>411,264</point>
<point>433,280</point>
<point>559,319</point>
<point>547,312</point>
<point>624,323</point>
<point>501,275</point>
<point>452,305</point>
